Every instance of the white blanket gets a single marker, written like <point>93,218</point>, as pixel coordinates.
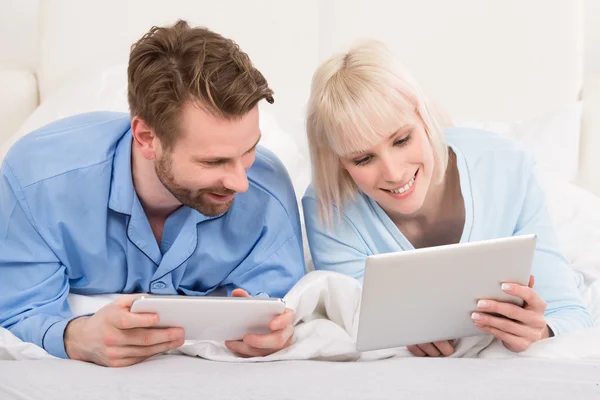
<point>327,305</point>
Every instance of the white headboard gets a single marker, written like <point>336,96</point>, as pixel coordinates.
<point>479,59</point>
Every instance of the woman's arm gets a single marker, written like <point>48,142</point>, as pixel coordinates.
<point>338,248</point>
<point>555,281</point>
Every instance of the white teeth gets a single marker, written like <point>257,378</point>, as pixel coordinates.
<point>403,188</point>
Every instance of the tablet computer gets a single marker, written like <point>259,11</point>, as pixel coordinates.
<point>212,318</point>
<point>425,295</point>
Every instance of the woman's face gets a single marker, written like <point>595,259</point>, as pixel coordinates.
<point>396,172</point>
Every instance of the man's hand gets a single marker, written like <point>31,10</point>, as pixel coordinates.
<point>116,337</point>
<point>442,348</point>
<point>254,345</point>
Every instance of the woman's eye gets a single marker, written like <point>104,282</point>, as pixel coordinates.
<point>362,161</point>
<point>402,142</point>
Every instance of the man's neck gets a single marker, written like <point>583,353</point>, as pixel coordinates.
<point>157,201</point>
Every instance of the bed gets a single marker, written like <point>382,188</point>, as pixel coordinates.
<point>530,70</point>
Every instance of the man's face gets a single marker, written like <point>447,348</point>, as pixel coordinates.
<point>206,166</point>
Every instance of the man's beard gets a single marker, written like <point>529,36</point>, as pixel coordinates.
<point>197,199</point>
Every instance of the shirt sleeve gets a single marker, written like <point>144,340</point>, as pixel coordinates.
<point>337,248</point>
<point>555,281</point>
<point>34,285</point>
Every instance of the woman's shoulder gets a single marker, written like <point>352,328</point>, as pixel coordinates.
<point>485,147</point>
<point>355,211</point>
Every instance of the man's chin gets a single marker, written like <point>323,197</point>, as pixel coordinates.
<point>213,210</point>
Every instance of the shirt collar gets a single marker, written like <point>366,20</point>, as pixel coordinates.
<point>122,191</point>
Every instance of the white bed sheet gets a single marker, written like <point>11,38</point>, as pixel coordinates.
<point>166,377</point>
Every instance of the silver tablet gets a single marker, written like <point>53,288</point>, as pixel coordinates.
<point>426,295</point>
<point>212,318</point>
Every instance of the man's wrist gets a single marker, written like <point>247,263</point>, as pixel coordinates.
<point>70,337</point>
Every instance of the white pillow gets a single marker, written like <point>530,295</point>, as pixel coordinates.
<point>105,89</point>
<point>553,138</point>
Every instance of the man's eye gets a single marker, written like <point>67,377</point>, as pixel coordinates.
<point>213,163</point>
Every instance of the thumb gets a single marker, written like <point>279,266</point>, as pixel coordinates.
<point>126,300</point>
<point>531,281</point>
<point>240,293</point>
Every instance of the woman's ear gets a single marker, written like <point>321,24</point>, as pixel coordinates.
<point>144,138</point>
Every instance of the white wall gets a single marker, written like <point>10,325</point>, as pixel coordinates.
<point>480,53</point>
<point>279,36</point>
<point>590,149</point>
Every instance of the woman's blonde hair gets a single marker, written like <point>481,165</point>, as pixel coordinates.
<point>356,100</point>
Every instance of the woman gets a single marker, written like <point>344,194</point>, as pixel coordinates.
<point>387,178</point>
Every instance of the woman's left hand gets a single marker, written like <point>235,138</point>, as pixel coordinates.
<point>522,326</point>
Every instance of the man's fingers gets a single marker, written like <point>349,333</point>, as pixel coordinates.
<point>276,340</point>
<point>117,353</point>
<point>416,351</point>
<point>117,314</point>
<point>430,349</point>
<point>239,293</point>
<point>245,350</point>
<point>445,347</point>
<point>124,362</point>
<point>124,319</point>
<point>126,300</point>
<point>281,321</point>
<point>149,337</point>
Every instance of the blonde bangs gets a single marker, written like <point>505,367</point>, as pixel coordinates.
<point>358,114</point>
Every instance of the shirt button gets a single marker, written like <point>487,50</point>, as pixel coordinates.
<point>159,285</point>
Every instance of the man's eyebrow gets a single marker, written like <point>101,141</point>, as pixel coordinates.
<point>255,144</point>
<point>225,159</point>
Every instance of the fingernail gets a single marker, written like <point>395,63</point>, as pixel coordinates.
<point>506,287</point>
<point>478,325</point>
<point>476,317</point>
<point>482,304</point>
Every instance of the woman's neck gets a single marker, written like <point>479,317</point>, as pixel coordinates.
<point>441,218</point>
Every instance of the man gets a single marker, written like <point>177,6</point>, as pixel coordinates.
<point>174,199</point>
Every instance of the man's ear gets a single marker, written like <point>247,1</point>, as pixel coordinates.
<point>144,138</point>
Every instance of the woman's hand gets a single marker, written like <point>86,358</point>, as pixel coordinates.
<point>522,326</point>
<point>436,349</point>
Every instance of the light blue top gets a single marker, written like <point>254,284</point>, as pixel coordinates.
<point>502,198</point>
<point>70,221</point>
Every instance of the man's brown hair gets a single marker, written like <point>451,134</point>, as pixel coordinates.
<point>170,66</point>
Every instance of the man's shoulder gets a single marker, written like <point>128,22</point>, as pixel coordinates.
<point>270,194</point>
<point>66,145</point>
<point>270,176</point>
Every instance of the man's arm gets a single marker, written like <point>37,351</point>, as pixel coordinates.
<point>34,284</point>
<point>34,289</point>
